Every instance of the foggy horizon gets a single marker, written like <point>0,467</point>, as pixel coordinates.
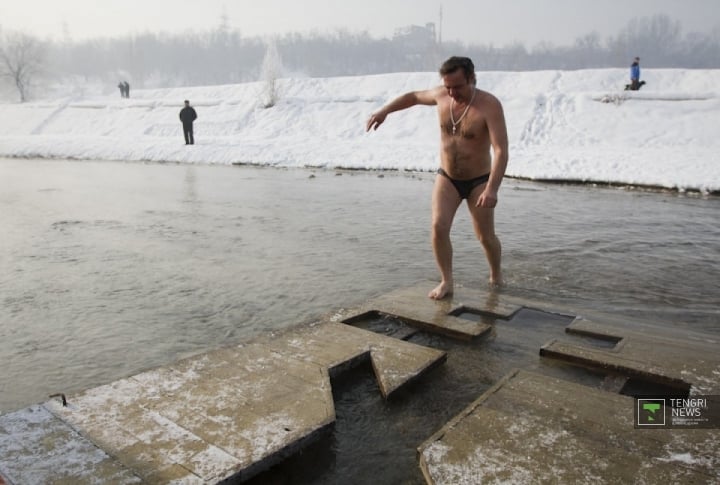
<point>224,54</point>
<point>526,22</point>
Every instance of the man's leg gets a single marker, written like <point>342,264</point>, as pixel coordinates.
<point>185,134</point>
<point>192,138</point>
<point>484,224</point>
<point>445,201</point>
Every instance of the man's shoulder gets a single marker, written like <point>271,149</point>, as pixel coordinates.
<point>434,91</point>
<point>488,98</point>
<point>439,94</point>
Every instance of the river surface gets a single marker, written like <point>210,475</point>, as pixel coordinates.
<point>111,268</point>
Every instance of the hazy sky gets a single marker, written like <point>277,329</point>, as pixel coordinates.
<point>474,21</point>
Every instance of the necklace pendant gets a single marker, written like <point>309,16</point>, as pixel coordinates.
<point>453,129</point>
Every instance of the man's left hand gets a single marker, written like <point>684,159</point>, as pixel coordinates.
<point>488,199</point>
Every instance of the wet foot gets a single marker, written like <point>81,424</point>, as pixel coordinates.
<point>441,291</point>
<point>496,284</point>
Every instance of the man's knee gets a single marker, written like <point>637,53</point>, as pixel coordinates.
<point>441,227</point>
<point>488,240</point>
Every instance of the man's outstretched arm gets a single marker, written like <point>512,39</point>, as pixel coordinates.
<point>405,101</point>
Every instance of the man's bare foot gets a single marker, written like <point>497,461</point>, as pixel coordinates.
<point>441,291</point>
<point>496,284</point>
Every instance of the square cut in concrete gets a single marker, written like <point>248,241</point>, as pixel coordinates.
<point>396,363</point>
<point>673,359</point>
<point>530,428</point>
<point>413,306</point>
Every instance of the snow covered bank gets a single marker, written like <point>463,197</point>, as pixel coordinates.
<point>563,125</point>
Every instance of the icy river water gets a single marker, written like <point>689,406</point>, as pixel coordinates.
<point>111,268</point>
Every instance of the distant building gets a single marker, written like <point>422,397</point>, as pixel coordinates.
<point>416,36</point>
<point>419,43</point>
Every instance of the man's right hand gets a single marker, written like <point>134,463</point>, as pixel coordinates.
<point>376,119</point>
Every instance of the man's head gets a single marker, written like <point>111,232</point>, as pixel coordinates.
<point>637,59</point>
<point>458,75</point>
<point>456,63</point>
<point>187,103</point>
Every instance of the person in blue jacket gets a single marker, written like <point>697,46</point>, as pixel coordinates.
<point>635,75</point>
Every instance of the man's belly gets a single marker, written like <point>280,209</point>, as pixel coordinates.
<point>463,161</point>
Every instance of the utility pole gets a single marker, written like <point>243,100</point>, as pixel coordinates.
<point>439,39</point>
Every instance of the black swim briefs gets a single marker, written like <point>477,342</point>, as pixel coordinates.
<point>465,187</point>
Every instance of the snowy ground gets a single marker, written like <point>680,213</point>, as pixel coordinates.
<point>563,125</point>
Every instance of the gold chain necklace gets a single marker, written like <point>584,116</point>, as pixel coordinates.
<point>452,117</point>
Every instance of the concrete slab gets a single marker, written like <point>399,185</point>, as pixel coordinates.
<point>37,447</point>
<point>530,428</point>
<point>396,363</point>
<point>414,307</point>
<point>679,359</point>
<point>228,413</point>
<point>236,411</point>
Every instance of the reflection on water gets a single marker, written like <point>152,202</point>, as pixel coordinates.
<point>111,268</point>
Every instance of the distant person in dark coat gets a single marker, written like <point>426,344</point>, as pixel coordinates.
<point>121,85</point>
<point>187,116</point>
<point>635,75</point>
<point>127,89</point>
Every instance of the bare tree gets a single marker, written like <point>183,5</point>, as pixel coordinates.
<point>21,59</point>
<point>655,38</point>
<point>270,72</point>
<point>223,55</point>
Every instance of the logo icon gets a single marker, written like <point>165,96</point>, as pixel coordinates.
<point>651,412</point>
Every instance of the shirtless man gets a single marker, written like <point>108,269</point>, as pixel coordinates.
<point>471,121</point>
